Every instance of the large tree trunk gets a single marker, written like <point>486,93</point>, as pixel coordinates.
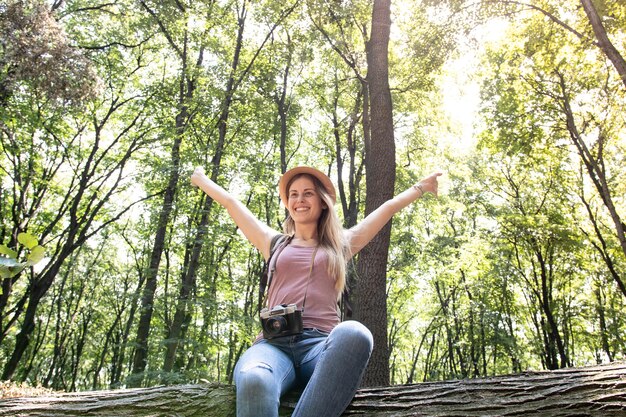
<point>380,165</point>
<point>592,391</point>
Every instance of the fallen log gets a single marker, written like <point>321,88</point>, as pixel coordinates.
<point>589,391</point>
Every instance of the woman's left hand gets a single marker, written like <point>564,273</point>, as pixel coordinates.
<point>430,183</point>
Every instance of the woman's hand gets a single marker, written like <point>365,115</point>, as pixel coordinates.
<point>198,176</point>
<point>429,184</point>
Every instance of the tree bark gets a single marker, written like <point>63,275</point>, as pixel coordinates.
<point>604,43</point>
<point>594,163</point>
<point>380,166</point>
<point>591,391</point>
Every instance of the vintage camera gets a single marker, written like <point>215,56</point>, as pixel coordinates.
<point>281,320</point>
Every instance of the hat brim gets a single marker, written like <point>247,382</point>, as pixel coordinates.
<point>323,178</point>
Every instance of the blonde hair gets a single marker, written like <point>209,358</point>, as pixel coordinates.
<point>330,235</point>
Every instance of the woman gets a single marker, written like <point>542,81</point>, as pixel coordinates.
<point>327,358</point>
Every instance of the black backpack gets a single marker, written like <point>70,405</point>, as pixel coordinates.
<point>282,240</point>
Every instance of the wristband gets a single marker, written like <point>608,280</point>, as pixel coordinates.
<point>418,186</point>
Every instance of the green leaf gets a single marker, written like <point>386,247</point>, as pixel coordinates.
<point>4,250</point>
<point>27,240</point>
<point>36,255</point>
<point>12,270</point>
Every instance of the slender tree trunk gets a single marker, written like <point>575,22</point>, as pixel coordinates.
<point>604,43</point>
<point>118,361</point>
<point>507,314</point>
<point>185,94</point>
<point>553,335</point>
<point>38,289</point>
<point>472,335</point>
<point>108,340</point>
<point>282,107</point>
<point>140,356</point>
<point>593,163</point>
<point>349,197</point>
<point>78,348</point>
<point>602,247</point>
<point>604,332</point>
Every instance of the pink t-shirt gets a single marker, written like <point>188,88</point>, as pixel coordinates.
<point>289,285</point>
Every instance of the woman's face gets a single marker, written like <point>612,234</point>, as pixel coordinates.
<point>304,203</point>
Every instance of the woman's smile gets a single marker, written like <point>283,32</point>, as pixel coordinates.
<point>304,199</point>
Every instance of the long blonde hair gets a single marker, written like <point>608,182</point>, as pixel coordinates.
<point>330,235</point>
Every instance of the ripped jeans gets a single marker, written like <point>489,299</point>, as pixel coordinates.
<point>329,366</point>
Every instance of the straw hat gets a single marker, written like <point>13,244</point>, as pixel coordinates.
<point>323,178</point>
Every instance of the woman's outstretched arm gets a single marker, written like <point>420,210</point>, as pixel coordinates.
<point>361,234</point>
<point>257,232</point>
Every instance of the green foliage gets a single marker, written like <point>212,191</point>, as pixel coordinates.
<point>11,263</point>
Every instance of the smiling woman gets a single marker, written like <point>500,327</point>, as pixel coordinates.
<point>313,349</point>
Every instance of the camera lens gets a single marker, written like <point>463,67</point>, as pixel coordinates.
<point>275,325</point>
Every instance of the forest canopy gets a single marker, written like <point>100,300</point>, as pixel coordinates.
<point>107,107</point>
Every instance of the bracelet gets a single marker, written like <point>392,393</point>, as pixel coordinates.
<point>418,186</point>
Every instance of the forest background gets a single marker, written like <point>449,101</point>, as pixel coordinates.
<point>107,106</point>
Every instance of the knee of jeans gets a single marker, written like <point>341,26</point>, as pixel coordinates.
<point>354,335</point>
<point>255,380</point>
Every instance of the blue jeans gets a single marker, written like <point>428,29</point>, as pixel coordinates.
<point>329,366</point>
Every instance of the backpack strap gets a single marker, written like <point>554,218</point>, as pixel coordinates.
<point>280,240</point>
<point>345,305</point>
